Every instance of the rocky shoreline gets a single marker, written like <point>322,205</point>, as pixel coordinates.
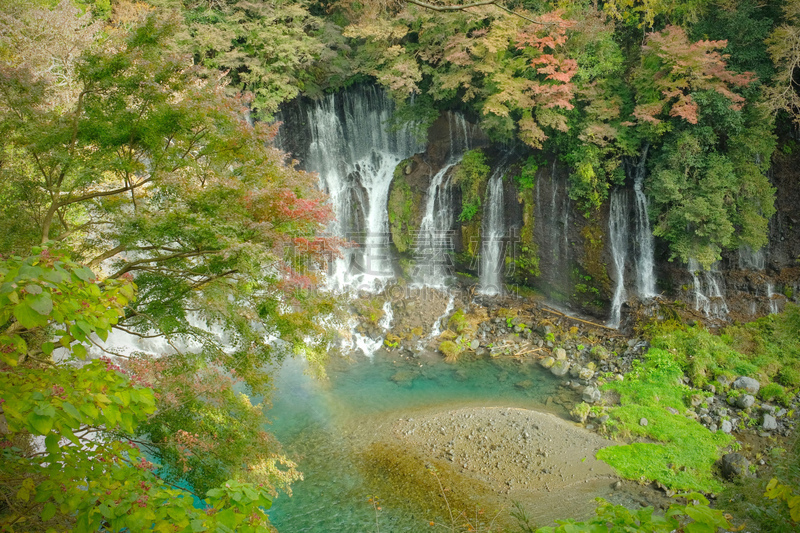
<point>584,355</point>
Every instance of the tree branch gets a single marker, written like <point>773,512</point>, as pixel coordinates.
<point>494,3</point>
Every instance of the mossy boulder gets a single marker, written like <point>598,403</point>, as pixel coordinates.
<point>405,207</point>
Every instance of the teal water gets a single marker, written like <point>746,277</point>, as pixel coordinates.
<point>324,425</point>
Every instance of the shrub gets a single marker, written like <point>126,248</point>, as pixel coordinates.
<point>451,351</point>
<point>773,391</point>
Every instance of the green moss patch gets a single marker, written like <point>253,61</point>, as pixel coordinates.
<point>684,452</point>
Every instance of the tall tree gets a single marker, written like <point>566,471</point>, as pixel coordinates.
<point>152,172</point>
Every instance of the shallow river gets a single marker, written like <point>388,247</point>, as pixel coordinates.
<point>326,426</point>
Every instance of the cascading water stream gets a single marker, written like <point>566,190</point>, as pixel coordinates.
<point>752,260</point>
<point>388,316</point>
<point>494,230</point>
<point>355,154</point>
<point>435,241</point>
<point>708,295</point>
<point>772,298</point>
<point>645,262</point>
<point>618,235</point>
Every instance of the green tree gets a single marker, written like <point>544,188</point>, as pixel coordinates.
<point>152,172</point>
<point>86,474</point>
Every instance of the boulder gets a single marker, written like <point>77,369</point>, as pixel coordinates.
<point>560,368</point>
<point>561,354</point>
<point>586,374</point>
<point>748,384</point>
<point>769,423</point>
<point>591,395</point>
<point>547,362</point>
<point>727,427</point>
<point>734,465</point>
<point>745,401</point>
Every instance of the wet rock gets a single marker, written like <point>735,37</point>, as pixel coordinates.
<point>526,384</point>
<point>591,395</point>
<point>748,384</point>
<point>403,377</point>
<point>734,465</point>
<point>769,423</point>
<point>547,362</point>
<point>745,401</point>
<point>560,368</point>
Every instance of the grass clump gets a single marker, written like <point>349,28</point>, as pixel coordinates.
<point>458,321</point>
<point>648,392</point>
<point>774,392</point>
<point>450,350</point>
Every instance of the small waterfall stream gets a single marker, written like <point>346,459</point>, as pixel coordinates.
<point>618,236</point>
<point>434,245</point>
<point>752,260</point>
<point>493,232</point>
<point>434,242</point>
<point>636,242</point>
<point>708,294</point>
<point>773,299</point>
<point>643,243</point>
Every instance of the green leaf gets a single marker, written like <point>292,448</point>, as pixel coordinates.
<point>41,303</point>
<point>198,525</point>
<point>53,276</point>
<point>79,350</point>
<point>29,318</point>
<point>72,411</point>
<point>51,443</point>
<point>40,424</point>
<point>48,348</point>
<point>84,274</point>
<point>33,289</point>
<point>48,512</point>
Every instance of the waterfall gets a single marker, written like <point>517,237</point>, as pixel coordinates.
<point>436,330</point>
<point>772,298</point>
<point>637,240</point>
<point>644,242</point>
<point>493,231</point>
<point>355,154</point>
<point>434,242</point>
<point>619,237</point>
<point>752,260</point>
<point>434,246</point>
<point>551,232</point>
<point>708,295</point>
<point>388,316</point>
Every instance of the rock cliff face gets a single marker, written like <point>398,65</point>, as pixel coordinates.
<point>595,262</point>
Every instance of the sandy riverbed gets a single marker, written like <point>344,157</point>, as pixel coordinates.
<point>493,456</point>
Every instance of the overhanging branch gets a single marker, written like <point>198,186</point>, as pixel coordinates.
<point>462,7</point>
